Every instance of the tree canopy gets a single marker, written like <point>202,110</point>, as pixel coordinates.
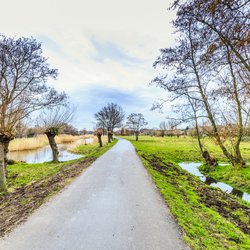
<point>110,117</point>
<point>24,72</point>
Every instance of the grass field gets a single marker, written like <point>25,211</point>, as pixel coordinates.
<point>210,218</point>
<point>184,149</point>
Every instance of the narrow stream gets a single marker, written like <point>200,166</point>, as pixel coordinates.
<point>192,167</point>
<point>45,154</point>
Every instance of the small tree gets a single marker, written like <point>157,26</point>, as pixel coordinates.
<point>163,127</point>
<point>52,121</point>
<point>109,118</point>
<point>23,76</point>
<point>69,129</point>
<point>99,134</point>
<point>136,122</point>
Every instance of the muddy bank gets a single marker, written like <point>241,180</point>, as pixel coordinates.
<point>17,206</point>
<point>226,205</point>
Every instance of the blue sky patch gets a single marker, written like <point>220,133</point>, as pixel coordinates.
<point>108,50</point>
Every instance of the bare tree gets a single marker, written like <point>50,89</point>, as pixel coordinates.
<point>23,76</point>
<point>223,26</point>
<point>222,23</point>
<point>189,84</point>
<point>163,127</point>
<point>99,134</point>
<point>204,56</point>
<point>21,129</point>
<point>109,118</point>
<point>52,120</point>
<point>136,122</point>
<point>69,129</point>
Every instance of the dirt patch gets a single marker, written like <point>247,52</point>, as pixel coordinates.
<point>17,206</point>
<point>226,205</point>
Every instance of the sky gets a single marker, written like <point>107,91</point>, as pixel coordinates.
<point>104,50</point>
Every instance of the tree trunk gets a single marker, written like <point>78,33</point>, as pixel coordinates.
<point>110,136</point>
<point>6,150</point>
<point>197,128</point>
<point>53,145</point>
<point>4,144</point>
<point>205,154</point>
<point>136,135</point>
<point>238,159</point>
<point>212,162</point>
<point>208,109</point>
<point>99,136</point>
<point>209,180</point>
<point>3,185</point>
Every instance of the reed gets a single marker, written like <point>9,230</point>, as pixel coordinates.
<point>28,143</point>
<point>40,141</point>
<point>67,138</point>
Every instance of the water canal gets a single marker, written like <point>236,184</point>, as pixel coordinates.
<point>192,167</point>
<point>45,154</point>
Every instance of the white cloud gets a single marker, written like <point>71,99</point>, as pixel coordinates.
<point>67,28</point>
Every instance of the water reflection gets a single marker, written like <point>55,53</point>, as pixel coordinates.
<point>45,154</point>
<point>192,167</point>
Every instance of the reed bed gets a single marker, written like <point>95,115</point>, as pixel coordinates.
<point>28,143</point>
<point>67,138</point>
<point>40,141</point>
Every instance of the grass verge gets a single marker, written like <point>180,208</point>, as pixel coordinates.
<point>185,149</point>
<point>30,185</point>
<point>210,218</point>
<point>237,177</point>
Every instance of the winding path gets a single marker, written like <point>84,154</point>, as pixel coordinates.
<point>113,205</point>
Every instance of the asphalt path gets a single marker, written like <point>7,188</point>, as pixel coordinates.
<point>113,205</point>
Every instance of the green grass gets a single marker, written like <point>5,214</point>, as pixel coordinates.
<point>21,174</point>
<point>184,149</point>
<point>237,177</point>
<point>178,149</point>
<point>204,227</point>
<point>93,149</point>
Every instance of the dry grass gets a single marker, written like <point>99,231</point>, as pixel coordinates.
<point>41,141</point>
<point>67,138</point>
<point>28,143</point>
<point>104,139</point>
